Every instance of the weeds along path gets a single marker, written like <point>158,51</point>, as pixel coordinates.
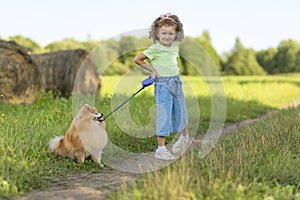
<point>91,186</point>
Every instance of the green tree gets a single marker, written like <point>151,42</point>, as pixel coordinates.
<point>89,45</point>
<point>29,44</point>
<point>65,44</point>
<point>188,57</point>
<point>265,58</point>
<point>106,56</point>
<point>193,57</point>
<point>287,57</point>
<point>242,61</point>
<point>127,48</point>
<point>116,57</point>
<point>144,43</point>
<point>297,66</point>
<point>205,41</point>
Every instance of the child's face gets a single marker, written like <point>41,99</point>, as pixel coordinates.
<point>166,35</point>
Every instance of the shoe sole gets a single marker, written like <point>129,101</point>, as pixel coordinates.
<point>162,158</point>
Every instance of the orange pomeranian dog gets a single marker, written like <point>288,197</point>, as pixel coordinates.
<point>85,137</point>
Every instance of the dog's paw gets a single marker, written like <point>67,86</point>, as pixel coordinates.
<point>80,159</point>
<point>101,165</point>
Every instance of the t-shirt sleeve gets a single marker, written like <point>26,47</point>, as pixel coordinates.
<point>150,52</point>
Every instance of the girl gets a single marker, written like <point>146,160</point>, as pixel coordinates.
<point>171,115</point>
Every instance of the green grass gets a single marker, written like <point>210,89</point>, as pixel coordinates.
<point>25,163</point>
<point>261,161</point>
<point>260,93</point>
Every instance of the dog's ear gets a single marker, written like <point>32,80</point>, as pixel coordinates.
<point>90,108</point>
<point>87,107</point>
<point>84,108</point>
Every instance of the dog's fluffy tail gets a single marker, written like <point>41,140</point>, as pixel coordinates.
<point>54,142</point>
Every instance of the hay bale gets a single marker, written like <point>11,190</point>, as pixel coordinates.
<point>59,70</point>
<point>19,75</point>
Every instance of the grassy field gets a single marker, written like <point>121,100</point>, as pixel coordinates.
<point>261,161</point>
<point>26,164</point>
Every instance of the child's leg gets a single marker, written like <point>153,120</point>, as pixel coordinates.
<point>184,135</point>
<point>161,141</point>
<point>164,104</point>
<point>163,121</point>
<point>184,132</point>
<point>180,123</point>
<point>180,115</point>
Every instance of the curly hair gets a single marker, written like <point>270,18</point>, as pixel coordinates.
<point>166,20</point>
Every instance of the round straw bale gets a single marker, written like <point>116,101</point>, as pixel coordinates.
<point>60,69</point>
<point>19,75</point>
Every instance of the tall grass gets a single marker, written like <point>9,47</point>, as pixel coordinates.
<point>261,161</point>
<point>26,165</point>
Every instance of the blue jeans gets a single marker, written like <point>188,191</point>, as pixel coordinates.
<point>171,114</point>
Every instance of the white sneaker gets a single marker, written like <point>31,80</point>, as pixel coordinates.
<point>180,146</point>
<point>164,154</point>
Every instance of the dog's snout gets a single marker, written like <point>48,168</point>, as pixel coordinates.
<point>99,117</point>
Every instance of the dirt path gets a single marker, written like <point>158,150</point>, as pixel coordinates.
<point>91,186</point>
<point>87,186</point>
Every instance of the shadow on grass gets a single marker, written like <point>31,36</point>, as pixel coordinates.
<point>266,81</point>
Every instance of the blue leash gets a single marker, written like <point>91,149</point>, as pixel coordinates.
<point>145,83</point>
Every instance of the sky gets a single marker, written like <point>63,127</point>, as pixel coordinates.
<point>259,24</point>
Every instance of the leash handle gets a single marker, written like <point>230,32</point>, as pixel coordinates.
<point>148,81</point>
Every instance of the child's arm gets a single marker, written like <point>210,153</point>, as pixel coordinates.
<point>139,59</point>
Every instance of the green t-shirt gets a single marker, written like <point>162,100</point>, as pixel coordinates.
<point>163,59</point>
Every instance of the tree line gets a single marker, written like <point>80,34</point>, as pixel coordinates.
<point>285,58</point>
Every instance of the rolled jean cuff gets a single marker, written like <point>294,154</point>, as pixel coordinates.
<point>163,134</point>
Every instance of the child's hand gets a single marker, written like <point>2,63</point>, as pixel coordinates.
<point>154,74</point>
